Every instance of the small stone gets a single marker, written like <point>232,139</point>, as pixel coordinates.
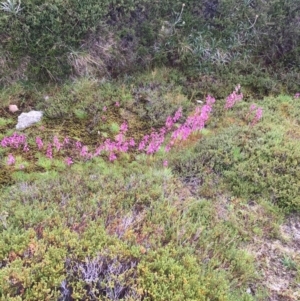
<point>13,108</point>
<point>27,119</point>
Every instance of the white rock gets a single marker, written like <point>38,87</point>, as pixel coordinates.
<point>27,119</point>
<point>13,108</point>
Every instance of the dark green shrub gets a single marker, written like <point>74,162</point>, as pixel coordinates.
<point>46,32</point>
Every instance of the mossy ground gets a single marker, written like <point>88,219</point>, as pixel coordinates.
<point>202,228</point>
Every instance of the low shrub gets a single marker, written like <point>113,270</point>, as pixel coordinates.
<point>255,161</point>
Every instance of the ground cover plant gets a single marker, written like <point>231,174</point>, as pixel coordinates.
<point>108,199</point>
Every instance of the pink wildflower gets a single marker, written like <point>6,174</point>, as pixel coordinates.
<point>49,151</point>
<point>177,115</point>
<point>258,116</point>
<point>143,142</point>
<point>66,140</point>
<point>165,163</point>
<point>124,127</point>
<point>39,142</point>
<point>98,151</point>
<point>11,160</point>
<point>69,161</point>
<point>112,157</point>
<point>104,109</point>
<point>25,148</point>
<point>234,97</point>
<point>120,138</point>
<point>210,100</point>
<point>78,145</point>
<point>84,151</point>
<point>132,142</point>
<point>167,148</point>
<point>117,104</point>
<point>169,122</point>
<point>56,143</point>
<point>15,141</point>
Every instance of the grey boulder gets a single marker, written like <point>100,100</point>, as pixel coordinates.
<point>27,119</point>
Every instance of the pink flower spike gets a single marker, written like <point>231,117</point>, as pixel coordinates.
<point>66,140</point>
<point>56,143</point>
<point>39,142</point>
<point>233,98</point>
<point>104,109</point>
<point>4,142</point>
<point>78,145</point>
<point>69,161</point>
<point>165,163</point>
<point>177,115</point>
<point>11,160</point>
<point>84,151</point>
<point>210,100</point>
<point>258,116</point>
<point>49,151</point>
<point>117,104</point>
<point>167,148</point>
<point>169,122</point>
<point>112,157</point>
<point>124,127</point>
<point>25,148</point>
<point>132,142</point>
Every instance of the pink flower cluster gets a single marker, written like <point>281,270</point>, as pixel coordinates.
<point>14,141</point>
<point>152,143</point>
<point>149,144</point>
<point>171,132</point>
<point>39,143</point>
<point>234,97</point>
<point>258,113</point>
<point>119,145</point>
<point>11,160</point>
<point>194,122</point>
<point>297,95</point>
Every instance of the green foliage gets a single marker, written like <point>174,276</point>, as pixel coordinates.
<point>130,218</point>
<point>5,121</point>
<point>47,31</point>
<point>256,162</point>
<point>289,263</point>
<point>247,42</point>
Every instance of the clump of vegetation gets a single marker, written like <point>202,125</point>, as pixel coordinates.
<point>256,160</point>
<point>222,41</point>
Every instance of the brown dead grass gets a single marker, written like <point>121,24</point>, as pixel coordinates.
<point>103,54</point>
